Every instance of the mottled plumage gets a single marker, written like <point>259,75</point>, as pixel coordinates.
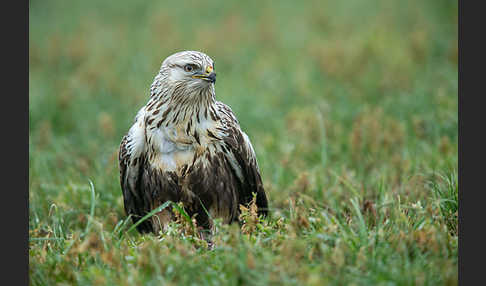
<point>187,147</point>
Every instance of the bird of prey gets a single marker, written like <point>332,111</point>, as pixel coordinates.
<point>185,146</point>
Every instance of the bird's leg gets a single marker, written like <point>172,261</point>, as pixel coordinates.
<point>206,234</point>
<point>160,221</point>
<point>205,228</point>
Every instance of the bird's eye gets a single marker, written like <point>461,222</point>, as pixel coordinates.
<point>188,68</point>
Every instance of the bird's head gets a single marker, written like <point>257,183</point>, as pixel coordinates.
<point>189,71</point>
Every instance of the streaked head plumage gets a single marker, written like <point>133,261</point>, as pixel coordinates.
<point>185,82</point>
<point>192,68</point>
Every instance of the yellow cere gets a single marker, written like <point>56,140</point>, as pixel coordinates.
<point>209,69</point>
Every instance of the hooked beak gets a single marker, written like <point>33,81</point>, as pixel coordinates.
<point>210,75</point>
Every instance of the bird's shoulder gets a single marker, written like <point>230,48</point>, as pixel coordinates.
<point>236,139</point>
<point>133,143</point>
<point>228,117</point>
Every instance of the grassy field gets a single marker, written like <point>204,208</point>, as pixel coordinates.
<point>351,107</point>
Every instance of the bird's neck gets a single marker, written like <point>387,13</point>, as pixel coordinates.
<point>189,115</point>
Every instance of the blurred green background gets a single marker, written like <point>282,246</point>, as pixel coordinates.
<point>341,100</point>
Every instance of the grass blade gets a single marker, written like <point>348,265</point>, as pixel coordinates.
<point>147,216</point>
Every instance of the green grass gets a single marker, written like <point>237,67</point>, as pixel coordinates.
<point>351,107</point>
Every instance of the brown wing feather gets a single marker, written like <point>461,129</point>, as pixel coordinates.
<point>130,180</point>
<point>247,163</point>
<point>242,150</point>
